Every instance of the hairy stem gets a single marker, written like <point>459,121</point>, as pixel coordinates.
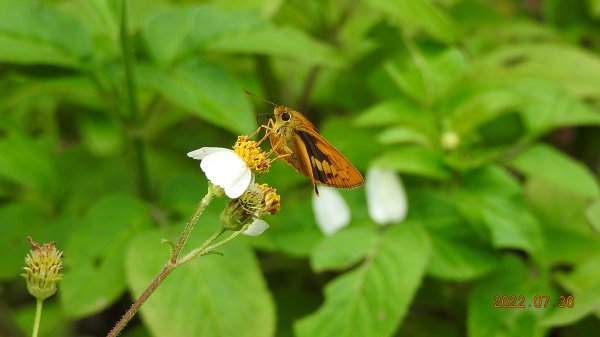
<point>171,264</point>
<point>205,248</point>
<point>190,225</point>
<point>138,303</point>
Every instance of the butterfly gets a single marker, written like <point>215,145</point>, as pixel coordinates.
<point>297,141</point>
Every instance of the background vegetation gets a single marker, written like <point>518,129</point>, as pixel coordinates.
<point>489,110</point>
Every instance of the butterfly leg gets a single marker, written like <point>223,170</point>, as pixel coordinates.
<point>255,132</point>
<point>277,146</point>
<point>268,129</point>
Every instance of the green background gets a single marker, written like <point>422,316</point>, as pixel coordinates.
<point>489,111</point>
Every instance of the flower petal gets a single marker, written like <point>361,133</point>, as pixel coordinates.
<point>386,197</point>
<point>238,186</point>
<point>227,170</point>
<point>205,151</point>
<point>257,227</point>
<point>330,209</point>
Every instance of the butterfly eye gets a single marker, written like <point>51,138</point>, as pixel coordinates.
<point>285,116</point>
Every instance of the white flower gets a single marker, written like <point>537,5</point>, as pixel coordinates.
<point>331,211</point>
<point>224,168</point>
<point>257,227</point>
<point>386,197</point>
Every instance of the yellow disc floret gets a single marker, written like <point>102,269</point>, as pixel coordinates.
<point>271,202</point>
<point>252,154</point>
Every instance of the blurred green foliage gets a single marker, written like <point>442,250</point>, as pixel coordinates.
<point>488,109</point>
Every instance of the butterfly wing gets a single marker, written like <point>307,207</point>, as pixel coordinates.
<point>323,163</point>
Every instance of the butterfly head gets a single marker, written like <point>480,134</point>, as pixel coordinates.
<point>283,114</point>
<point>283,118</point>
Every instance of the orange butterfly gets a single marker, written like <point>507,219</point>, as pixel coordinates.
<point>295,139</point>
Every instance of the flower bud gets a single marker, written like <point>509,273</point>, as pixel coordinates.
<point>257,201</point>
<point>42,270</point>
<point>450,140</point>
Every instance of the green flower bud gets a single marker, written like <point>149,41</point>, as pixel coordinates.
<point>257,201</point>
<point>42,270</point>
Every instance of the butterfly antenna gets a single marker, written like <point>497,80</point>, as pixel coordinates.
<point>258,97</point>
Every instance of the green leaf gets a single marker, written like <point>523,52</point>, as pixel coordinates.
<point>31,33</point>
<point>94,255</point>
<point>476,105</point>
<point>208,91</point>
<point>585,303</point>
<point>53,323</point>
<point>101,17</point>
<point>593,214</point>
<point>25,161</point>
<point>178,32</point>
<point>427,78</point>
<point>372,299</point>
<point>414,160</point>
<point>458,251</point>
<point>491,180</point>
<point>564,240</point>
<point>460,258</point>
<point>278,42</point>
<point>558,169</point>
<point>491,198</point>
<point>509,279</point>
<point>101,135</point>
<point>511,225</point>
<point>574,69</point>
<point>594,7</point>
<point>419,15</point>
<point>399,111</point>
<point>181,192</point>
<point>18,220</point>
<point>210,296</point>
<point>585,276</point>
<point>294,228</point>
<point>402,135</point>
<point>555,206</point>
<point>167,35</point>
<point>549,107</point>
<point>343,249</point>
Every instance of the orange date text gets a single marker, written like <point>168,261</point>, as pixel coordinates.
<point>538,301</point>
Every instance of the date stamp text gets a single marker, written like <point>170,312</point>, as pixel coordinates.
<point>538,301</point>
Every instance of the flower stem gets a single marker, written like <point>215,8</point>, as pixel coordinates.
<point>138,303</point>
<point>190,225</point>
<point>205,248</point>
<point>172,264</point>
<point>38,317</point>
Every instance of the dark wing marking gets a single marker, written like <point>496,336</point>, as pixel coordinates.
<point>304,157</point>
<point>333,170</point>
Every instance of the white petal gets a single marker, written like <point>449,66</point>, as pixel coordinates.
<point>239,185</point>
<point>227,170</point>
<point>386,197</point>
<point>205,151</point>
<point>257,227</point>
<point>331,211</point>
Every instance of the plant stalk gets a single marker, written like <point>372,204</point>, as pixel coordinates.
<point>173,262</point>
<point>38,316</point>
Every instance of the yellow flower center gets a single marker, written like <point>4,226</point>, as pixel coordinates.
<point>271,200</point>
<point>252,154</point>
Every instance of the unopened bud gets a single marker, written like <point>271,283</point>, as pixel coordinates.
<point>42,270</point>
